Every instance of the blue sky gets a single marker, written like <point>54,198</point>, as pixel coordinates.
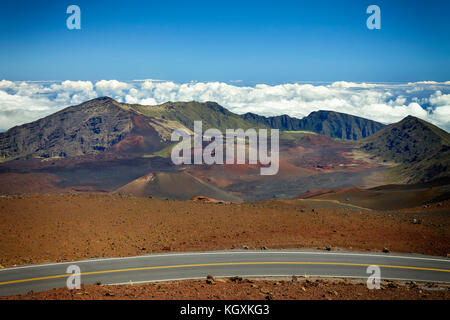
<point>255,41</point>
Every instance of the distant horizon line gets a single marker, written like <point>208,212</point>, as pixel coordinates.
<point>422,81</point>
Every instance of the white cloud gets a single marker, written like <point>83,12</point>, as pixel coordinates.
<point>5,84</point>
<point>111,87</point>
<point>440,99</point>
<point>21,102</point>
<point>345,84</point>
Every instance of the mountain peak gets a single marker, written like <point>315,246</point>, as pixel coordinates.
<point>323,112</point>
<point>414,123</point>
<point>413,119</point>
<point>340,125</point>
<point>90,127</point>
<point>96,103</point>
<point>99,101</point>
<point>104,98</point>
<point>417,144</point>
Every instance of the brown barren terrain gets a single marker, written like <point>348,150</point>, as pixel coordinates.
<point>48,228</point>
<point>250,289</point>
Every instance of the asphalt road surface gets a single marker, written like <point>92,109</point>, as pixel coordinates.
<point>193,265</point>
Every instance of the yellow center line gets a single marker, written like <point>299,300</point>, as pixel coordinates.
<point>222,264</point>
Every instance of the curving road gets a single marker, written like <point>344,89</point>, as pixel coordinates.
<point>174,266</point>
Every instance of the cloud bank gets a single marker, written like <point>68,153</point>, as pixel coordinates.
<point>22,102</point>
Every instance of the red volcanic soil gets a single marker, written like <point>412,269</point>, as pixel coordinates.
<point>288,169</point>
<point>137,187</point>
<point>321,154</point>
<point>317,155</point>
<point>142,139</point>
<point>319,163</point>
<point>221,183</point>
<point>16,183</point>
<point>209,200</point>
<point>378,198</point>
<point>48,228</point>
<point>241,169</point>
<point>313,154</point>
<point>253,171</point>
<point>179,185</point>
<point>131,142</point>
<point>237,288</point>
<point>226,174</point>
<point>141,123</point>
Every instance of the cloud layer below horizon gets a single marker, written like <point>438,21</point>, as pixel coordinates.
<point>25,101</point>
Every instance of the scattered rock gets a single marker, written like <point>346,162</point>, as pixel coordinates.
<point>236,279</point>
<point>208,200</point>
<point>392,285</point>
<point>220,280</point>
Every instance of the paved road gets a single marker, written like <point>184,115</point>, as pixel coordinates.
<point>174,266</point>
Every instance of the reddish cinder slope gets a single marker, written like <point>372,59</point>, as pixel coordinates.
<point>48,228</point>
<point>173,185</point>
<point>143,138</point>
<point>330,160</point>
<point>389,197</point>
